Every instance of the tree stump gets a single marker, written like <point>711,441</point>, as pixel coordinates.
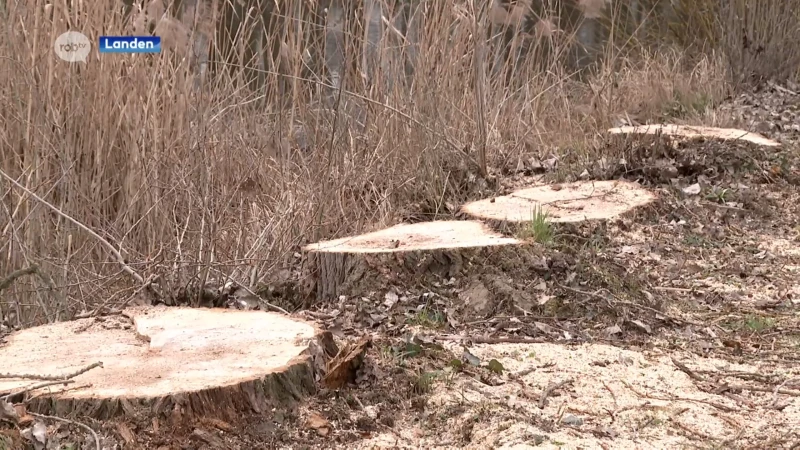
<point>693,132</point>
<point>415,252</point>
<point>565,203</point>
<point>177,363</point>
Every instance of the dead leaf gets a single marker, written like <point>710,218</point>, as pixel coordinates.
<point>8,413</point>
<point>642,326</point>
<point>390,299</point>
<point>372,412</point>
<point>319,424</point>
<point>550,164</point>
<point>39,435</point>
<point>692,190</point>
<point>451,320</point>
<point>218,424</point>
<point>540,264</point>
<point>543,299</point>
<point>470,358</point>
<point>211,439</point>
<point>546,329</point>
<point>572,420</point>
<point>612,330</point>
<point>706,346</point>
<point>735,345</point>
<point>25,419</point>
<point>477,298</point>
<point>125,432</point>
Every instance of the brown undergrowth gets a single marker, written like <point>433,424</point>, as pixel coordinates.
<point>193,191</point>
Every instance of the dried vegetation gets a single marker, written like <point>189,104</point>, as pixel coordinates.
<point>123,184</point>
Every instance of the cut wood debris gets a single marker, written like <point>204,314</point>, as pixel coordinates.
<point>596,396</point>
<point>436,235</point>
<point>166,361</point>
<point>574,202</point>
<point>692,132</point>
<point>342,368</point>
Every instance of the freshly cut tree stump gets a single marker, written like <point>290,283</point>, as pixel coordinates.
<point>691,132</point>
<point>355,265</point>
<point>565,203</point>
<point>173,363</point>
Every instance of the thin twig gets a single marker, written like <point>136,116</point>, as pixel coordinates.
<point>777,391</point>
<point>613,396</point>
<point>550,389</point>
<point>748,376</point>
<point>491,340</point>
<point>251,292</point>
<point>624,302</point>
<point>774,391</point>
<point>51,380</point>
<point>28,376</point>
<point>72,387</point>
<point>686,370</point>
<point>82,425</point>
<point>52,377</point>
<point>686,428</point>
<point>719,406</point>
<point>36,386</point>
<point>85,369</point>
<point>99,310</point>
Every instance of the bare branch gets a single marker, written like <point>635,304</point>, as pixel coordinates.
<point>51,380</point>
<point>6,282</point>
<point>117,255</point>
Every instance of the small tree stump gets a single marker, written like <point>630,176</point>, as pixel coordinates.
<point>565,203</point>
<point>173,362</point>
<point>693,132</point>
<point>355,265</point>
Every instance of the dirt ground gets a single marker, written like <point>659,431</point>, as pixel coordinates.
<point>676,326</point>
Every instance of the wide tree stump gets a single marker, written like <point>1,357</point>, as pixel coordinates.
<point>173,363</point>
<point>404,254</point>
<point>563,203</point>
<point>693,132</point>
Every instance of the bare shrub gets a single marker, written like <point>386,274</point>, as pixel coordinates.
<point>199,184</point>
<point>760,39</point>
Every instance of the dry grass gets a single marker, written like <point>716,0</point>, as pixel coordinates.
<point>193,186</point>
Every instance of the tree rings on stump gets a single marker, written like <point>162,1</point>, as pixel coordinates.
<point>693,132</point>
<point>565,203</point>
<point>176,363</point>
<point>345,266</point>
